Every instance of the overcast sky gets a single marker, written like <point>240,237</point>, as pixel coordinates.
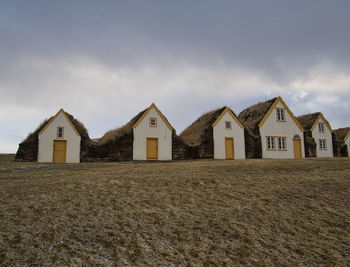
<point>104,61</point>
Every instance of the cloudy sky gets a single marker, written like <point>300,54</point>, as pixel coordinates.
<point>104,61</point>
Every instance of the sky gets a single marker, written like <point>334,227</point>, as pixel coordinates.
<point>104,61</point>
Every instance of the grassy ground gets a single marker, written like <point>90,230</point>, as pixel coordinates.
<point>248,213</point>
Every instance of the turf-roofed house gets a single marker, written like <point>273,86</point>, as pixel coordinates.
<point>273,131</point>
<point>61,139</point>
<point>218,134</point>
<point>147,136</point>
<point>343,134</point>
<point>152,136</point>
<point>317,135</point>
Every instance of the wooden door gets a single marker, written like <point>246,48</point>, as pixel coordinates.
<point>229,148</point>
<point>59,151</point>
<point>297,148</point>
<point>152,148</point>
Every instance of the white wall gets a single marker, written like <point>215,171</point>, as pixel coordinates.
<point>45,151</point>
<point>326,135</point>
<point>219,134</point>
<point>144,131</point>
<point>347,142</point>
<point>288,129</point>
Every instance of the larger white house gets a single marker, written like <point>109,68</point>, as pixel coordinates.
<point>320,131</point>
<point>280,132</point>
<point>59,140</point>
<point>152,136</point>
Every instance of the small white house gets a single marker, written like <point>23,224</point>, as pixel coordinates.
<point>321,132</point>
<point>280,132</point>
<point>152,136</point>
<point>218,134</point>
<point>59,140</point>
<point>228,135</point>
<point>347,142</point>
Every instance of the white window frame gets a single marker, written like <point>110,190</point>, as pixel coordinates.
<point>228,128</point>
<point>321,127</point>
<point>57,134</point>
<point>322,144</point>
<point>270,143</point>
<point>281,116</point>
<point>282,143</point>
<point>150,122</point>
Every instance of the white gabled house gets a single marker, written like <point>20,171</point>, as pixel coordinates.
<point>280,133</point>
<point>319,129</point>
<point>347,142</point>
<point>218,133</point>
<point>228,135</point>
<point>152,136</point>
<point>59,140</point>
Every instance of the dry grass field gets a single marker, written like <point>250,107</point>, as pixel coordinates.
<point>241,213</point>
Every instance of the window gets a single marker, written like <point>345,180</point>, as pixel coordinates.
<point>228,125</point>
<point>323,144</point>
<point>280,114</point>
<point>59,132</point>
<point>274,142</point>
<point>270,143</point>
<point>321,127</point>
<point>282,143</point>
<point>153,122</point>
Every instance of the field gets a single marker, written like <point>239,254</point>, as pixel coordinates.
<point>206,212</point>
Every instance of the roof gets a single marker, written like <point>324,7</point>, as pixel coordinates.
<point>342,133</point>
<point>124,130</point>
<point>256,115</point>
<point>253,115</point>
<point>54,117</point>
<point>196,132</point>
<point>159,113</point>
<point>309,121</point>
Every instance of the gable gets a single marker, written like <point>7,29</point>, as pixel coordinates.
<point>272,108</point>
<point>153,106</point>
<point>322,119</point>
<point>227,110</point>
<point>53,119</point>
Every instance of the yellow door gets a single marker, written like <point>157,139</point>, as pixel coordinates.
<point>59,151</point>
<point>229,148</point>
<point>152,148</point>
<point>297,148</point>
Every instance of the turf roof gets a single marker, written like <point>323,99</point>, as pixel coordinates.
<point>342,132</point>
<point>196,133</point>
<point>308,120</point>
<point>252,116</point>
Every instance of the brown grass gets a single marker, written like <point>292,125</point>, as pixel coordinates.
<point>250,213</point>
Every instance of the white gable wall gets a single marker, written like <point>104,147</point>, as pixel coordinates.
<point>45,150</point>
<point>347,142</point>
<point>288,129</point>
<point>327,135</point>
<point>144,131</point>
<point>219,134</point>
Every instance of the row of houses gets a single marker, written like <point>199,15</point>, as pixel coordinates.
<point>265,130</point>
